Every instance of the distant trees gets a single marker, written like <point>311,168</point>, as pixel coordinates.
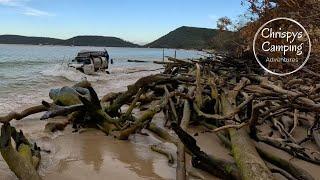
<point>225,40</point>
<point>306,12</point>
<point>224,23</point>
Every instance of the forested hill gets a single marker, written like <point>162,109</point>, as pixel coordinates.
<point>76,41</point>
<point>192,38</point>
<point>98,41</point>
<point>15,39</point>
<point>181,38</point>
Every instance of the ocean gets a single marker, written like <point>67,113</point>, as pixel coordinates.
<point>27,72</point>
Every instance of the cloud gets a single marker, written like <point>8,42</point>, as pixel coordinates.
<point>35,12</point>
<point>13,3</point>
<point>23,8</point>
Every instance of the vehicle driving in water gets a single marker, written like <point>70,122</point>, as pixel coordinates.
<point>89,62</point>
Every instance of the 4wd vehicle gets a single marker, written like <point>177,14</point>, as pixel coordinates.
<point>89,62</point>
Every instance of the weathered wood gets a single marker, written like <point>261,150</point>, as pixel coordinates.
<point>230,126</point>
<point>223,117</point>
<point>284,164</point>
<point>137,61</point>
<point>247,159</point>
<point>162,133</point>
<point>263,102</point>
<point>316,137</point>
<point>198,93</point>
<point>146,116</point>
<point>23,114</point>
<point>218,167</point>
<point>133,89</point>
<point>60,126</point>
<point>55,110</point>
<point>303,100</point>
<point>110,96</point>
<point>291,148</point>
<point>294,170</point>
<point>171,104</point>
<point>133,104</point>
<point>185,62</point>
<point>181,164</point>
<point>20,161</point>
<point>160,149</point>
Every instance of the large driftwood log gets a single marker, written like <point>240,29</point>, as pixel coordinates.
<point>295,171</point>
<point>20,160</point>
<point>248,160</point>
<point>276,160</point>
<point>181,164</point>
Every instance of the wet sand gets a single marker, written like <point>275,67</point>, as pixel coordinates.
<point>90,154</point>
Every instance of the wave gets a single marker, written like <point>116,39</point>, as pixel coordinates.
<point>126,70</point>
<point>22,63</point>
<point>62,70</point>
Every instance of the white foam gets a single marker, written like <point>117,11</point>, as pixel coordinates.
<point>62,70</point>
<point>118,80</point>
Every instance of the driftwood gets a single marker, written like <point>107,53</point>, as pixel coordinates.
<point>217,167</point>
<point>181,165</point>
<point>295,171</point>
<point>22,160</point>
<point>230,96</point>
<point>160,149</point>
<point>133,89</point>
<point>162,133</point>
<point>137,61</point>
<point>250,164</point>
<point>277,161</point>
<point>23,114</point>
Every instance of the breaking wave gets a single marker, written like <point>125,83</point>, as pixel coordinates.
<point>62,70</point>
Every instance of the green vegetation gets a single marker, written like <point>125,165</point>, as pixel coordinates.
<point>98,41</point>
<point>181,38</point>
<point>15,39</point>
<point>195,38</point>
<point>77,41</point>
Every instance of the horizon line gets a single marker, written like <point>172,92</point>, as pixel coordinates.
<point>134,42</point>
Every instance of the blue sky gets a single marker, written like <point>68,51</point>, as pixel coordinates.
<point>138,21</point>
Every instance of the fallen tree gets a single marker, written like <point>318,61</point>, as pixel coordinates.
<point>230,96</point>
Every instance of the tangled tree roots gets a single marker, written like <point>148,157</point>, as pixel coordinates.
<point>226,94</point>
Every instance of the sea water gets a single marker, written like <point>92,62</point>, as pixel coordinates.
<point>28,72</point>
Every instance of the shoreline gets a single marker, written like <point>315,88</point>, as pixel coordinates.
<point>142,47</point>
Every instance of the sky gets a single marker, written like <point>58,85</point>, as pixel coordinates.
<point>138,21</point>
